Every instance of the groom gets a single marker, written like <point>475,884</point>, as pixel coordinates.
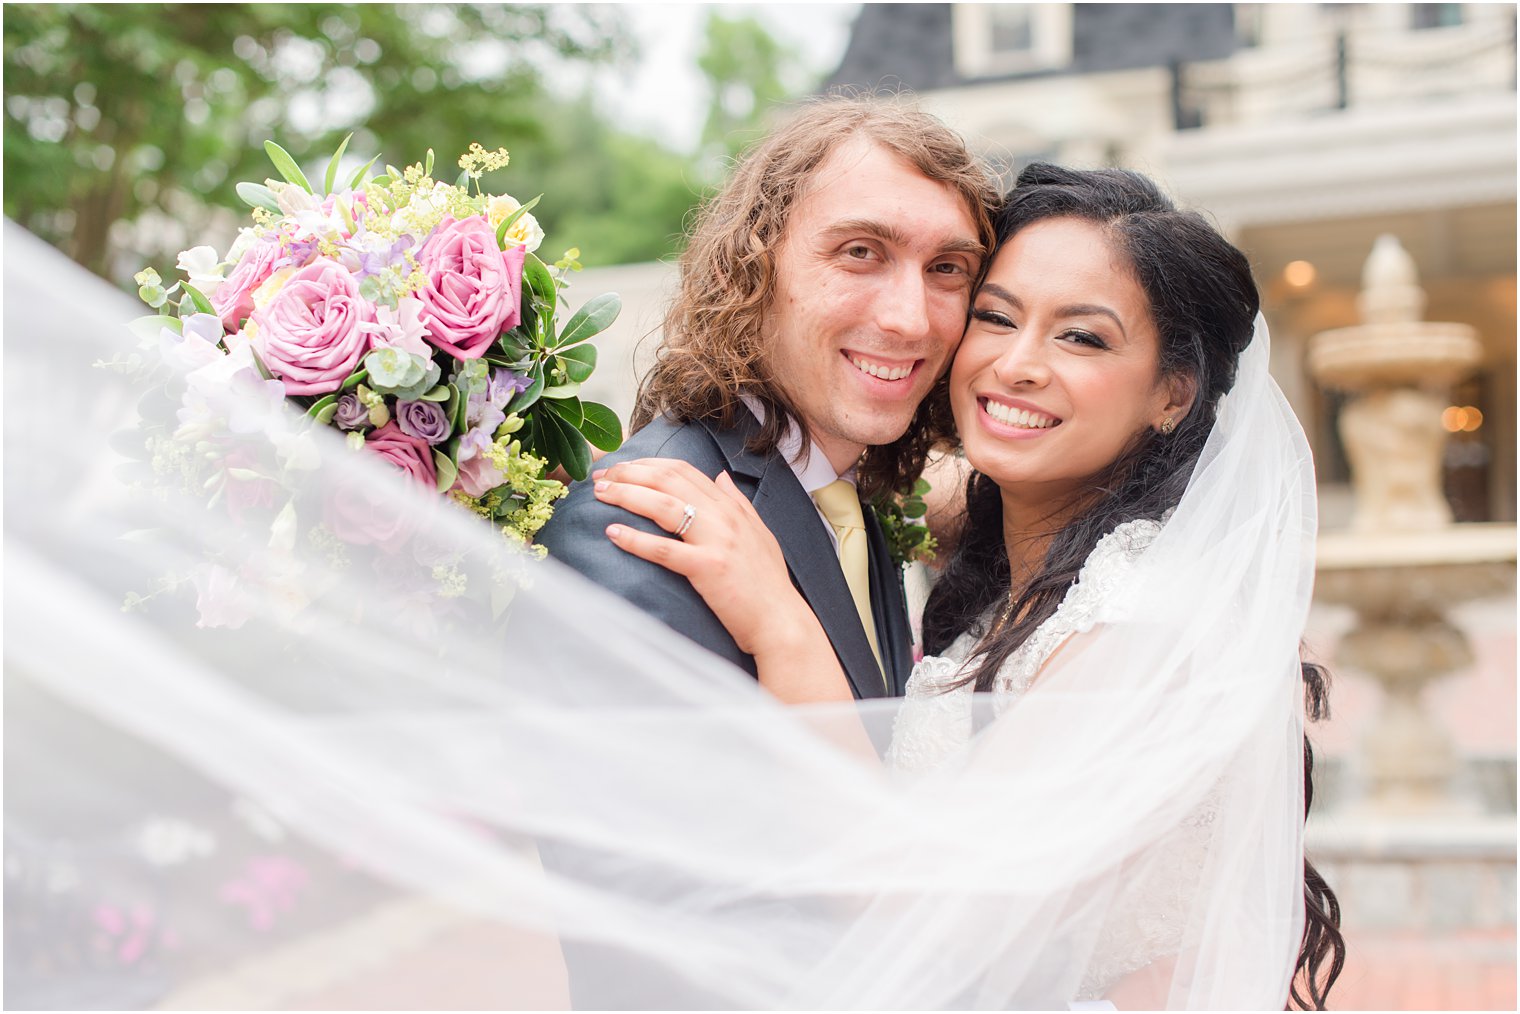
<point>823,292</point>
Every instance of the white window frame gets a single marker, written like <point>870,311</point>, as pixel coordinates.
<point>1049,48</point>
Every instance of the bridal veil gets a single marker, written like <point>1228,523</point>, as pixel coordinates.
<point>250,766</point>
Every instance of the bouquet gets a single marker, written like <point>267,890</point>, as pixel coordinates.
<point>411,315</point>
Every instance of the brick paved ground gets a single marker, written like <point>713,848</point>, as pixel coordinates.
<point>1403,971</point>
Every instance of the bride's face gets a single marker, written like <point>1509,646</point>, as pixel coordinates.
<point>1059,370</point>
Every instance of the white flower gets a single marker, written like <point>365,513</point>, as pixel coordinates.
<point>196,347</point>
<point>203,268</point>
<point>291,198</point>
<point>525,231</point>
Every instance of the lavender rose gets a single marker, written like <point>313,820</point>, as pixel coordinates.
<point>312,333</point>
<point>473,287</point>
<point>362,514</point>
<point>424,420</point>
<point>352,413</point>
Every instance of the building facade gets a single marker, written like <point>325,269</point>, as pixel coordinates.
<point>1304,130</point>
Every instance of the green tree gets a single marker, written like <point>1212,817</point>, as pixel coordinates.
<point>620,197</point>
<point>748,72</point>
<point>126,126</point>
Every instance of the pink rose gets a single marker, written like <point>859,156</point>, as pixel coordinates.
<point>473,287</point>
<point>312,333</point>
<point>362,514</point>
<point>233,299</point>
<point>477,475</point>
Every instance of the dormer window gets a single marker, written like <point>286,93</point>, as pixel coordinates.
<point>994,40</point>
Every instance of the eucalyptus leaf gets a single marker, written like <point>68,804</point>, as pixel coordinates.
<point>592,319</point>
<point>921,487</point>
<point>915,509</point>
<point>439,393</point>
<point>568,409</point>
<point>579,362</point>
<point>286,165</point>
<point>600,425</point>
<point>256,195</point>
<point>332,167</point>
<point>447,470</point>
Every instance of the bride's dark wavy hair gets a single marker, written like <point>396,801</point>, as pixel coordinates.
<point>1203,302</point>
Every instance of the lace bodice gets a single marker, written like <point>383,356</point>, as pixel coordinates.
<point>934,731</point>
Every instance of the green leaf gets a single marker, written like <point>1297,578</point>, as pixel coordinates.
<point>447,470</point>
<point>317,406</point>
<point>511,220</point>
<point>599,424</point>
<point>568,446</point>
<point>568,409</point>
<point>537,276</point>
<point>592,319</point>
<point>562,391</point>
<point>516,345</point>
<point>427,169</point>
<point>148,328</point>
<point>921,487</point>
<point>358,177</point>
<point>439,393</point>
<point>393,172</point>
<point>579,362</point>
<point>332,167</point>
<point>286,165</point>
<point>325,416</point>
<point>354,380</point>
<point>528,397</point>
<point>256,195</point>
<point>451,407</point>
<point>463,182</point>
<point>915,509</point>
<point>201,302</point>
<point>259,362</point>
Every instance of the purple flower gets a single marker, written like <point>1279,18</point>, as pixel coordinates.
<point>352,414</point>
<point>422,419</point>
<point>373,262</point>
<point>504,384</point>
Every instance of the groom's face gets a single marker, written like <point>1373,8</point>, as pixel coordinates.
<point>873,279</point>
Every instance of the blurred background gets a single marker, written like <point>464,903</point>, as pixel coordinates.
<point>1364,157</point>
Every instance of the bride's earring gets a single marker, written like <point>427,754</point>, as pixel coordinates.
<point>1167,426</point>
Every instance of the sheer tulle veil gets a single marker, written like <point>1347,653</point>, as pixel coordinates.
<point>407,774</point>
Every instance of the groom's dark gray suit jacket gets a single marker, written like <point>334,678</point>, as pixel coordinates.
<point>576,536</point>
<point>603,977</point>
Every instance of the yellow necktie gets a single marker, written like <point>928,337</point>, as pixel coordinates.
<point>840,504</point>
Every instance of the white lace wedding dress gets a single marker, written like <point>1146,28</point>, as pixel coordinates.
<point>935,730</point>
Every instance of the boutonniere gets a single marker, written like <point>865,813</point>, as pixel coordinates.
<point>901,516</point>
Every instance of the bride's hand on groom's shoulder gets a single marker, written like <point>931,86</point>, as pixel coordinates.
<point>717,542</point>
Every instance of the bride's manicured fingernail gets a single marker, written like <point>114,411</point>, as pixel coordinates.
<point>601,487</point>
<point>598,473</point>
<point>614,531</point>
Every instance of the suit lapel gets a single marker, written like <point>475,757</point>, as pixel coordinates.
<point>793,519</point>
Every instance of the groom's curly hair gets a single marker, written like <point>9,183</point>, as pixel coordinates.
<point>713,348</point>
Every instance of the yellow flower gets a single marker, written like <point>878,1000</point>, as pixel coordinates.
<point>525,231</point>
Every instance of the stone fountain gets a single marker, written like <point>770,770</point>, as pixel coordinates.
<point>1402,564</point>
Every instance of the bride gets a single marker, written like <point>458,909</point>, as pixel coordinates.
<point>251,767</point>
<point>1106,331</point>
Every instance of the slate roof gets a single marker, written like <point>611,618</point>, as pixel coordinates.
<point>910,45</point>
